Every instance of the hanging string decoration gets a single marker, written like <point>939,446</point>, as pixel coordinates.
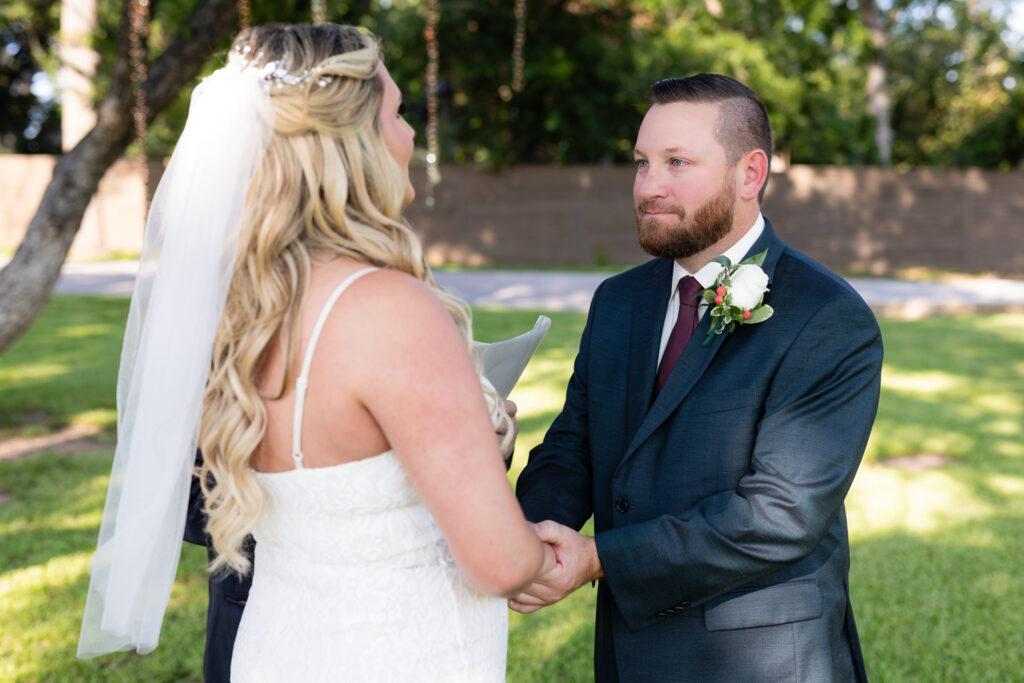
<point>244,15</point>
<point>517,46</point>
<point>319,11</point>
<point>138,38</point>
<point>433,56</point>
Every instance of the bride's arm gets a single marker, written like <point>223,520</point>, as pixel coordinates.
<point>414,375</point>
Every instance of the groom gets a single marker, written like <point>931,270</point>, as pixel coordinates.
<point>715,472</point>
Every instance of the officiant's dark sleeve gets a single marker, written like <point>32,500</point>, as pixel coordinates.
<point>195,521</point>
<point>227,593</point>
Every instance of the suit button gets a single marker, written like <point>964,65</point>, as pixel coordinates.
<point>622,505</point>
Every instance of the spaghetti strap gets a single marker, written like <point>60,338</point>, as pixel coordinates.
<point>302,381</point>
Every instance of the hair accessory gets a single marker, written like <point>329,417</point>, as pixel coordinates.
<point>274,73</point>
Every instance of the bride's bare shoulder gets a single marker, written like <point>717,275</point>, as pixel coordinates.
<point>379,285</point>
<point>387,289</point>
<point>386,305</point>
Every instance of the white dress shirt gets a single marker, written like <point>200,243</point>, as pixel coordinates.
<point>706,277</point>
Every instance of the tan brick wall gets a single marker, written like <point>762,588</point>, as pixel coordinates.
<point>851,219</point>
<point>528,215</point>
<point>112,224</point>
<point>873,220</point>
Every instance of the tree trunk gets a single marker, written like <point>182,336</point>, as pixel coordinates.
<point>27,281</point>
<point>878,97</point>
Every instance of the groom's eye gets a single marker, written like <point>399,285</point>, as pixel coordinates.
<point>640,163</point>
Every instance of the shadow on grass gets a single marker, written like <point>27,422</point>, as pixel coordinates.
<point>54,507</point>
<point>944,607</point>
<point>48,530</point>
<point>555,643</point>
<point>983,345</point>
<point>67,361</point>
<point>45,621</point>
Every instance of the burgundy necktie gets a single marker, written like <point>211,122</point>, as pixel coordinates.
<point>686,323</point>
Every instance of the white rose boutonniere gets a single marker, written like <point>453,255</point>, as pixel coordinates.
<point>737,296</point>
<point>749,283</point>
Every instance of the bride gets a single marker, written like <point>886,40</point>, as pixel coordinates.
<point>286,322</point>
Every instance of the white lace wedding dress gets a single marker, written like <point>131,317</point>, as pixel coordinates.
<point>353,581</point>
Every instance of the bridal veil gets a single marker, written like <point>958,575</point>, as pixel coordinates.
<point>187,260</point>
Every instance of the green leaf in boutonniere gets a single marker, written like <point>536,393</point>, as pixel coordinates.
<point>737,295</point>
<point>755,260</point>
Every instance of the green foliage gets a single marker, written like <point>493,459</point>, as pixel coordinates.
<point>951,104</point>
<point>579,103</point>
<point>27,30</point>
<point>955,76</point>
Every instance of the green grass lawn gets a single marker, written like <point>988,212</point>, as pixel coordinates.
<point>937,578</point>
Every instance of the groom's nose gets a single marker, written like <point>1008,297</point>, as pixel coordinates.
<point>649,185</point>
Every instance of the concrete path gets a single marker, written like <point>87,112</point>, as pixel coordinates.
<point>571,291</point>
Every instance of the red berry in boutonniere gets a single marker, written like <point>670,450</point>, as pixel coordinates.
<point>737,295</point>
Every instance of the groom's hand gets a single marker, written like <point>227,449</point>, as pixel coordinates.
<point>576,563</point>
<point>511,408</point>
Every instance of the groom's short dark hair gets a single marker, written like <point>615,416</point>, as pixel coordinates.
<point>742,124</point>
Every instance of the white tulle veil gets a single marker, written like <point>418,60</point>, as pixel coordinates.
<point>187,258</point>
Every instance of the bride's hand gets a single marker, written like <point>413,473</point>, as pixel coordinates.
<point>502,428</point>
<point>576,563</point>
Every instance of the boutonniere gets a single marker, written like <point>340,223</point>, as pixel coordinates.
<point>737,296</point>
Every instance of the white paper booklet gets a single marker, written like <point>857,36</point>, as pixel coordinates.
<point>504,361</point>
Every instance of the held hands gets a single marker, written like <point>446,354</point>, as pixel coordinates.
<point>576,563</point>
<point>506,451</point>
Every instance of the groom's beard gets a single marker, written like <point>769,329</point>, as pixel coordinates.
<point>710,222</point>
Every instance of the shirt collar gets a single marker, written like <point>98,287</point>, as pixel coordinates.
<point>706,275</point>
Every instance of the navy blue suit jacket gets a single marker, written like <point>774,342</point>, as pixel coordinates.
<point>718,506</point>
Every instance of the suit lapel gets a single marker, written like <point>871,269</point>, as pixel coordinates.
<point>646,324</point>
<point>694,360</point>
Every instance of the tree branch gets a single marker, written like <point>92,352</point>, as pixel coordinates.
<point>27,281</point>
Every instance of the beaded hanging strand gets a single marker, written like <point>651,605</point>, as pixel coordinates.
<point>433,54</point>
<point>517,46</point>
<point>319,11</point>
<point>244,15</point>
<point>138,37</point>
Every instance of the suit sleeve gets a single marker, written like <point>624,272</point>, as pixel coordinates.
<point>195,520</point>
<point>556,483</point>
<point>810,439</point>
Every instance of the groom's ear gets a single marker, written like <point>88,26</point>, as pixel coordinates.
<point>753,169</point>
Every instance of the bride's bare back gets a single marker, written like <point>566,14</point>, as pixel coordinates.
<point>391,372</point>
<point>337,427</point>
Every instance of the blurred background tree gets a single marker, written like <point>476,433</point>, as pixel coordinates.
<point>951,94</point>
<point>31,116</point>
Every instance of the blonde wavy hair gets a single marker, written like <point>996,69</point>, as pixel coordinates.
<point>327,184</point>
